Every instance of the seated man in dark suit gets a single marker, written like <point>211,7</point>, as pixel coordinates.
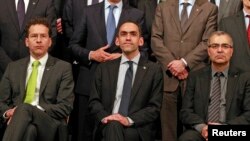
<point>36,92</point>
<point>215,95</point>
<point>127,92</point>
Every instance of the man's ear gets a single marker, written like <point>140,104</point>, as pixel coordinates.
<point>141,41</point>
<point>26,42</point>
<point>117,43</point>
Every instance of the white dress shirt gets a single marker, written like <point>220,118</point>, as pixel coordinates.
<point>26,3</point>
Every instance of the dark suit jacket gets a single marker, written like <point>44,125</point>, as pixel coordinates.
<point>71,15</point>
<point>12,38</point>
<point>229,8</point>
<point>145,99</point>
<point>90,35</point>
<point>56,90</point>
<point>235,26</point>
<point>196,99</point>
<point>169,42</point>
<point>148,7</point>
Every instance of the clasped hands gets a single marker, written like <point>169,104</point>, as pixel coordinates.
<point>9,113</point>
<point>178,69</point>
<point>100,55</point>
<point>116,117</point>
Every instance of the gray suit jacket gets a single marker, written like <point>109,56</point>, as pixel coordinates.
<point>235,26</point>
<point>56,90</point>
<point>229,8</point>
<point>12,38</point>
<point>169,43</point>
<point>196,99</point>
<point>145,100</point>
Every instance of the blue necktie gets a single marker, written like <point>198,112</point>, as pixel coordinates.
<point>111,24</point>
<point>20,12</point>
<point>126,92</point>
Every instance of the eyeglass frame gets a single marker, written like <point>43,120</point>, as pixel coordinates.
<point>223,46</point>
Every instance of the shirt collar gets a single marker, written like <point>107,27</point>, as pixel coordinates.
<point>225,72</point>
<point>135,60</point>
<point>191,2</point>
<point>42,60</point>
<point>107,4</point>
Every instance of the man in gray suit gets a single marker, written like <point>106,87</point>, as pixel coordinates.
<point>34,110</point>
<point>237,26</point>
<point>179,50</point>
<point>199,102</point>
<point>227,7</point>
<point>12,34</point>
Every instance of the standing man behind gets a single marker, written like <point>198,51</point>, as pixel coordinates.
<point>127,92</point>
<point>227,7</point>
<point>36,92</point>
<point>93,43</point>
<point>179,40</point>
<point>215,94</point>
<point>238,27</point>
<point>14,15</point>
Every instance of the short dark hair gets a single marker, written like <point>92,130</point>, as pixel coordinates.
<point>36,21</point>
<point>130,21</point>
<point>220,33</point>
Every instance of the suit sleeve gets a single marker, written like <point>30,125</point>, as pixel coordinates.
<point>162,53</point>
<point>187,113</point>
<point>77,43</point>
<point>151,110</point>
<point>95,102</point>
<point>68,19</point>
<point>5,92</point>
<point>243,97</point>
<point>199,53</point>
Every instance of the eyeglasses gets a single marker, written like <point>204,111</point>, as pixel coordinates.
<point>216,46</point>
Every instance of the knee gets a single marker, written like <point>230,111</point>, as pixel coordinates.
<point>24,107</point>
<point>115,124</point>
<point>191,135</point>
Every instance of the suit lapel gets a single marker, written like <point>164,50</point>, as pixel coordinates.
<point>205,82</point>
<point>194,13</point>
<point>231,84</point>
<point>240,22</point>
<point>32,5</point>
<point>174,10</point>
<point>142,68</point>
<point>99,15</point>
<point>113,76</point>
<point>13,14</point>
<point>47,73</point>
<point>23,73</point>
<point>223,6</point>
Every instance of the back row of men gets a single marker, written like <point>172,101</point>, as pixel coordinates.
<point>179,36</point>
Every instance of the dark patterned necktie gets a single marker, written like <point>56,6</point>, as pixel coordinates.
<point>214,107</point>
<point>126,92</point>
<point>20,12</point>
<point>184,15</point>
<point>95,1</point>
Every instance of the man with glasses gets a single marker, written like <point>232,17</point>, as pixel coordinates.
<point>223,92</point>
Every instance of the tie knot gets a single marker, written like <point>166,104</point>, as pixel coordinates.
<point>130,63</point>
<point>218,74</point>
<point>35,64</point>
<point>112,7</point>
<point>185,4</point>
